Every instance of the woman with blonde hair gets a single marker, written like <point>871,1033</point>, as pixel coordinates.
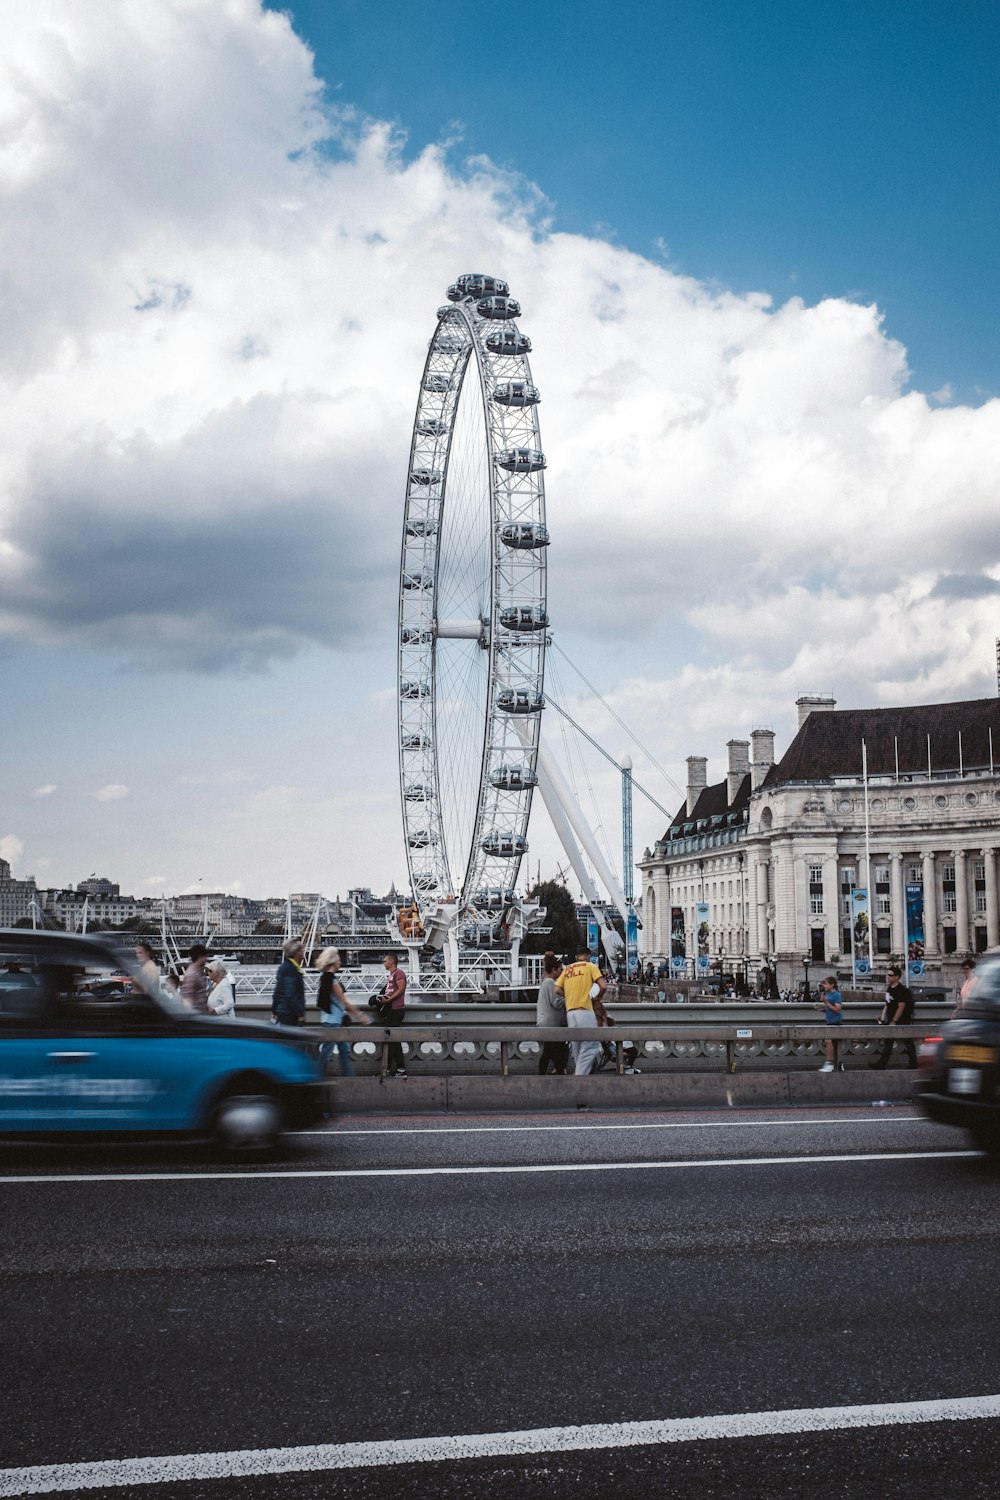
<point>333,1002</point>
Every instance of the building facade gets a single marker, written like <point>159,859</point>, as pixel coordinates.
<point>777,849</point>
<point>16,896</point>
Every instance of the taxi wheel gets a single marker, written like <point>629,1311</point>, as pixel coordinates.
<point>246,1122</point>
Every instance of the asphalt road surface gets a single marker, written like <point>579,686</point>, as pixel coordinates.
<point>784,1303</point>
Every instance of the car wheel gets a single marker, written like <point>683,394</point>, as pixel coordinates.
<point>247,1122</point>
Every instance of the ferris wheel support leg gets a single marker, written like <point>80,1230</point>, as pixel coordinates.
<point>548,770</point>
<point>452,960</point>
<point>560,822</point>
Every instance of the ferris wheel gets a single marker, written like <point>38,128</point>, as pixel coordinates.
<point>472,604</point>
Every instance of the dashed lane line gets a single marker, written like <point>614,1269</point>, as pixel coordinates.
<point>249,1463</point>
<point>520,1169</point>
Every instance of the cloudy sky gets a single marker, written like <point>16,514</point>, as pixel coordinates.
<point>756,256</point>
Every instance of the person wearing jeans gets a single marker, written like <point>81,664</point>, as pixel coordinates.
<point>575,983</point>
<point>333,1002</point>
<point>394,1011</point>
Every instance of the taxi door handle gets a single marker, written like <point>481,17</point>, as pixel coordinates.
<point>70,1057</point>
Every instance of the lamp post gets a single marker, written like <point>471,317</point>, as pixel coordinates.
<point>805,965</point>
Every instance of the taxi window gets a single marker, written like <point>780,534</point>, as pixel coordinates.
<point>24,996</point>
<point>984,997</point>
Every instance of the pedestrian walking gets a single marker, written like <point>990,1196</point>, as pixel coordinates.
<point>551,1011</point>
<point>288,1000</point>
<point>333,1003</point>
<point>898,1011</point>
<point>967,986</point>
<point>222,995</point>
<point>393,1010</point>
<point>575,983</point>
<point>194,985</point>
<point>832,1006</point>
<point>149,969</point>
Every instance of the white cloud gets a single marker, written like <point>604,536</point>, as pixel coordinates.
<point>224,293</point>
<point>46,790</point>
<point>11,848</point>
<point>113,792</point>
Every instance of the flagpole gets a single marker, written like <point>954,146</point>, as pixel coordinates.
<point>868,860</point>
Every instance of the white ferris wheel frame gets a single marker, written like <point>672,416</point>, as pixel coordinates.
<point>512,629</point>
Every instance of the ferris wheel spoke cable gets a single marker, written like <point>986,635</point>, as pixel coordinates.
<point>629,732</point>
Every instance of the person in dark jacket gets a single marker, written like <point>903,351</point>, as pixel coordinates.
<point>288,1002</point>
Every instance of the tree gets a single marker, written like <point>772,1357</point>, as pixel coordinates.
<point>560,916</point>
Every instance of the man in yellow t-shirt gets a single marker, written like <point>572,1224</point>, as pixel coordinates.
<point>575,983</point>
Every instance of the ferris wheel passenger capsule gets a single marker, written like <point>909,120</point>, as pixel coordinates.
<point>519,701</point>
<point>498,307</point>
<point>507,342</point>
<point>524,618</point>
<point>437,384</point>
<point>448,344</point>
<point>409,688</point>
<point>418,792</point>
<point>494,896</point>
<point>517,393</point>
<point>521,460</point>
<point>425,477</point>
<point>417,580</point>
<point>415,742</point>
<point>431,427</point>
<point>524,535</point>
<point>421,838</point>
<point>504,844</point>
<point>422,526</point>
<point>413,635</point>
<point>474,284</point>
<point>513,778</point>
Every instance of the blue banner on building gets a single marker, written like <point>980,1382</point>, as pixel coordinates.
<point>915,930</point>
<point>631,941</point>
<point>701,936</point>
<point>594,938</point>
<point>860,960</point>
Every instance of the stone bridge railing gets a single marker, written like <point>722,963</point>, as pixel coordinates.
<point>513,1048</point>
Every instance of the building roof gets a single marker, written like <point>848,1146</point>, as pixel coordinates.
<point>713,802</point>
<point>829,743</point>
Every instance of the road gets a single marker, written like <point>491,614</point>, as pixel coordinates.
<point>419,1281</point>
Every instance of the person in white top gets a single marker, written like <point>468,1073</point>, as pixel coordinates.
<point>221,999</point>
<point>149,971</point>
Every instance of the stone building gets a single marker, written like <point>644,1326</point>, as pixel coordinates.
<point>16,896</point>
<point>776,849</point>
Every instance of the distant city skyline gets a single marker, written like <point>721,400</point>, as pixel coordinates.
<point>771,437</point>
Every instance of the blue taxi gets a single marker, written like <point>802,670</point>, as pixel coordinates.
<point>81,1053</point>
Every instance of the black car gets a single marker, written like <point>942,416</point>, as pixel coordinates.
<point>959,1082</point>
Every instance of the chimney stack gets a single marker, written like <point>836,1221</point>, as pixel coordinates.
<point>697,779</point>
<point>739,765</point>
<point>814,703</point>
<point>762,758</point>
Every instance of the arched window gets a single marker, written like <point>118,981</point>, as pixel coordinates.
<point>766,820</point>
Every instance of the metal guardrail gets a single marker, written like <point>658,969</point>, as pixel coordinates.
<point>734,1041</point>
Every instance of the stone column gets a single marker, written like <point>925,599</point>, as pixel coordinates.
<point>961,901</point>
<point>897,899</point>
<point>992,922</point>
<point>763,868</point>
<point>930,903</point>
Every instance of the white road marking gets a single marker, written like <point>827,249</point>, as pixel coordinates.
<point>247,1463</point>
<point>492,1171</point>
<point>336,1130</point>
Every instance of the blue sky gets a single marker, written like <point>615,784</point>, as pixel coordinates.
<point>756,253</point>
<point>843,149</point>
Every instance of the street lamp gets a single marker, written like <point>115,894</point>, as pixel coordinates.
<point>805,965</point>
